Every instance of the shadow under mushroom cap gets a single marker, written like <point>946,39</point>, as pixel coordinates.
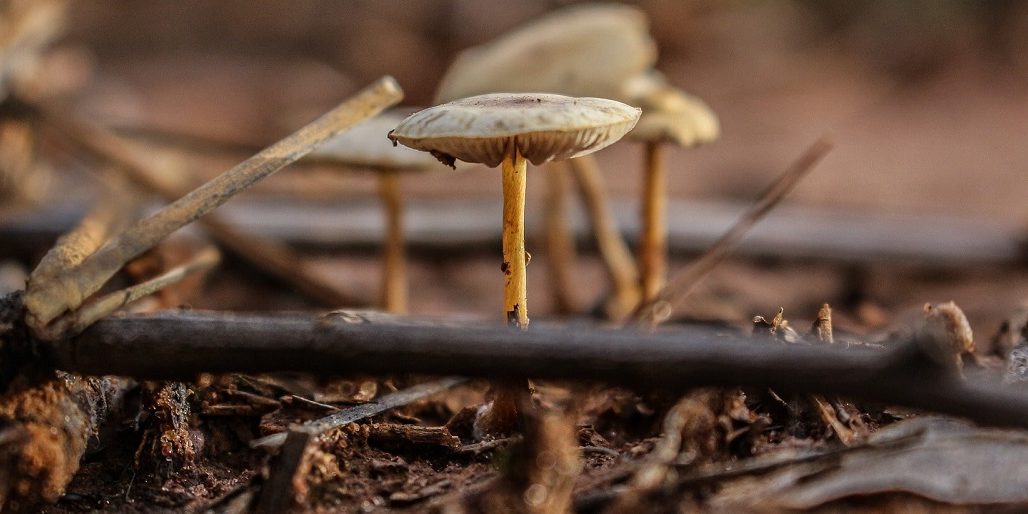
<point>544,127</point>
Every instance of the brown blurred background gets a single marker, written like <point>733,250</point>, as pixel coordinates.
<point>926,100</point>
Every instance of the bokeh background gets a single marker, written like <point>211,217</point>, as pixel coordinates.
<point>926,101</point>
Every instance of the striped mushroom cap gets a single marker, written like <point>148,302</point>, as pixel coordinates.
<point>544,127</point>
<point>366,146</point>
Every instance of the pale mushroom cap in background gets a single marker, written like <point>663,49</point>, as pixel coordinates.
<point>673,116</point>
<point>367,146</point>
<point>584,50</point>
<point>544,127</point>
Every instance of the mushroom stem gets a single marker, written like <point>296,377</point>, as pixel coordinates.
<point>394,271</point>
<point>560,241</point>
<point>515,290</point>
<point>653,240</point>
<point>617,259</point>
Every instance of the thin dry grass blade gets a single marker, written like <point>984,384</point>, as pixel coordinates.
<point>76,321</point>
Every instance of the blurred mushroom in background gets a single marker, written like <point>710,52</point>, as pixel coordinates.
<point>366,147</point>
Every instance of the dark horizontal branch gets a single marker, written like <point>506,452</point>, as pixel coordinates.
<point>182,344</point>
<point>453,225</point>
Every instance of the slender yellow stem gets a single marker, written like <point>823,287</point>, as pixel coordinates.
<point>617,259</point>
<point>394,271</point>
<point>560,242</point>
<point>515,286</point>
<point>653,240</point>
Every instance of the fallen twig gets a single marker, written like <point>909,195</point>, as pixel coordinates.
<point>169,179</point>
<point>76,321</point>
<point>75,285</point>
<point>182,344</point>
<point>365,410</point>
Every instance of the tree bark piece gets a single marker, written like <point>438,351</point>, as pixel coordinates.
<point>47,424</point>
<point>394,274</point>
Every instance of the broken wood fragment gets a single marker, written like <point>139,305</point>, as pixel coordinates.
<point>288,473</point>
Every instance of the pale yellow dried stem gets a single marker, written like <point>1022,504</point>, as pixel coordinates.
<point>560,241</point>
<point>111,213</point>
<point>93,310</point>
<point>72,248</point>
<point>394,272</point>
<point>653,239</point>
<point>617,259</point>
<point>77,284</point>
<point>515,285</point>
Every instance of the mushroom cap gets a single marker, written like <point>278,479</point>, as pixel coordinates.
<point>585,50</point>
<point>366,146</point>
<point>544,127</point>
<point>671,115</point>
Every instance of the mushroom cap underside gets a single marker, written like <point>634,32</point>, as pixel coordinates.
<point>544,127</point>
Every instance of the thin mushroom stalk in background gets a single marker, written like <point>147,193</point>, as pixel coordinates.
<point>560,241</point>
<point>669,117</point>
<point>394,274</point>
<point>653,236</point>
<point>611,246</point>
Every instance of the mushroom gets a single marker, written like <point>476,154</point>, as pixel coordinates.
<point>512,129</point>
<point>670,116</point>
<point>363,147</point>
<point>583,50</point>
